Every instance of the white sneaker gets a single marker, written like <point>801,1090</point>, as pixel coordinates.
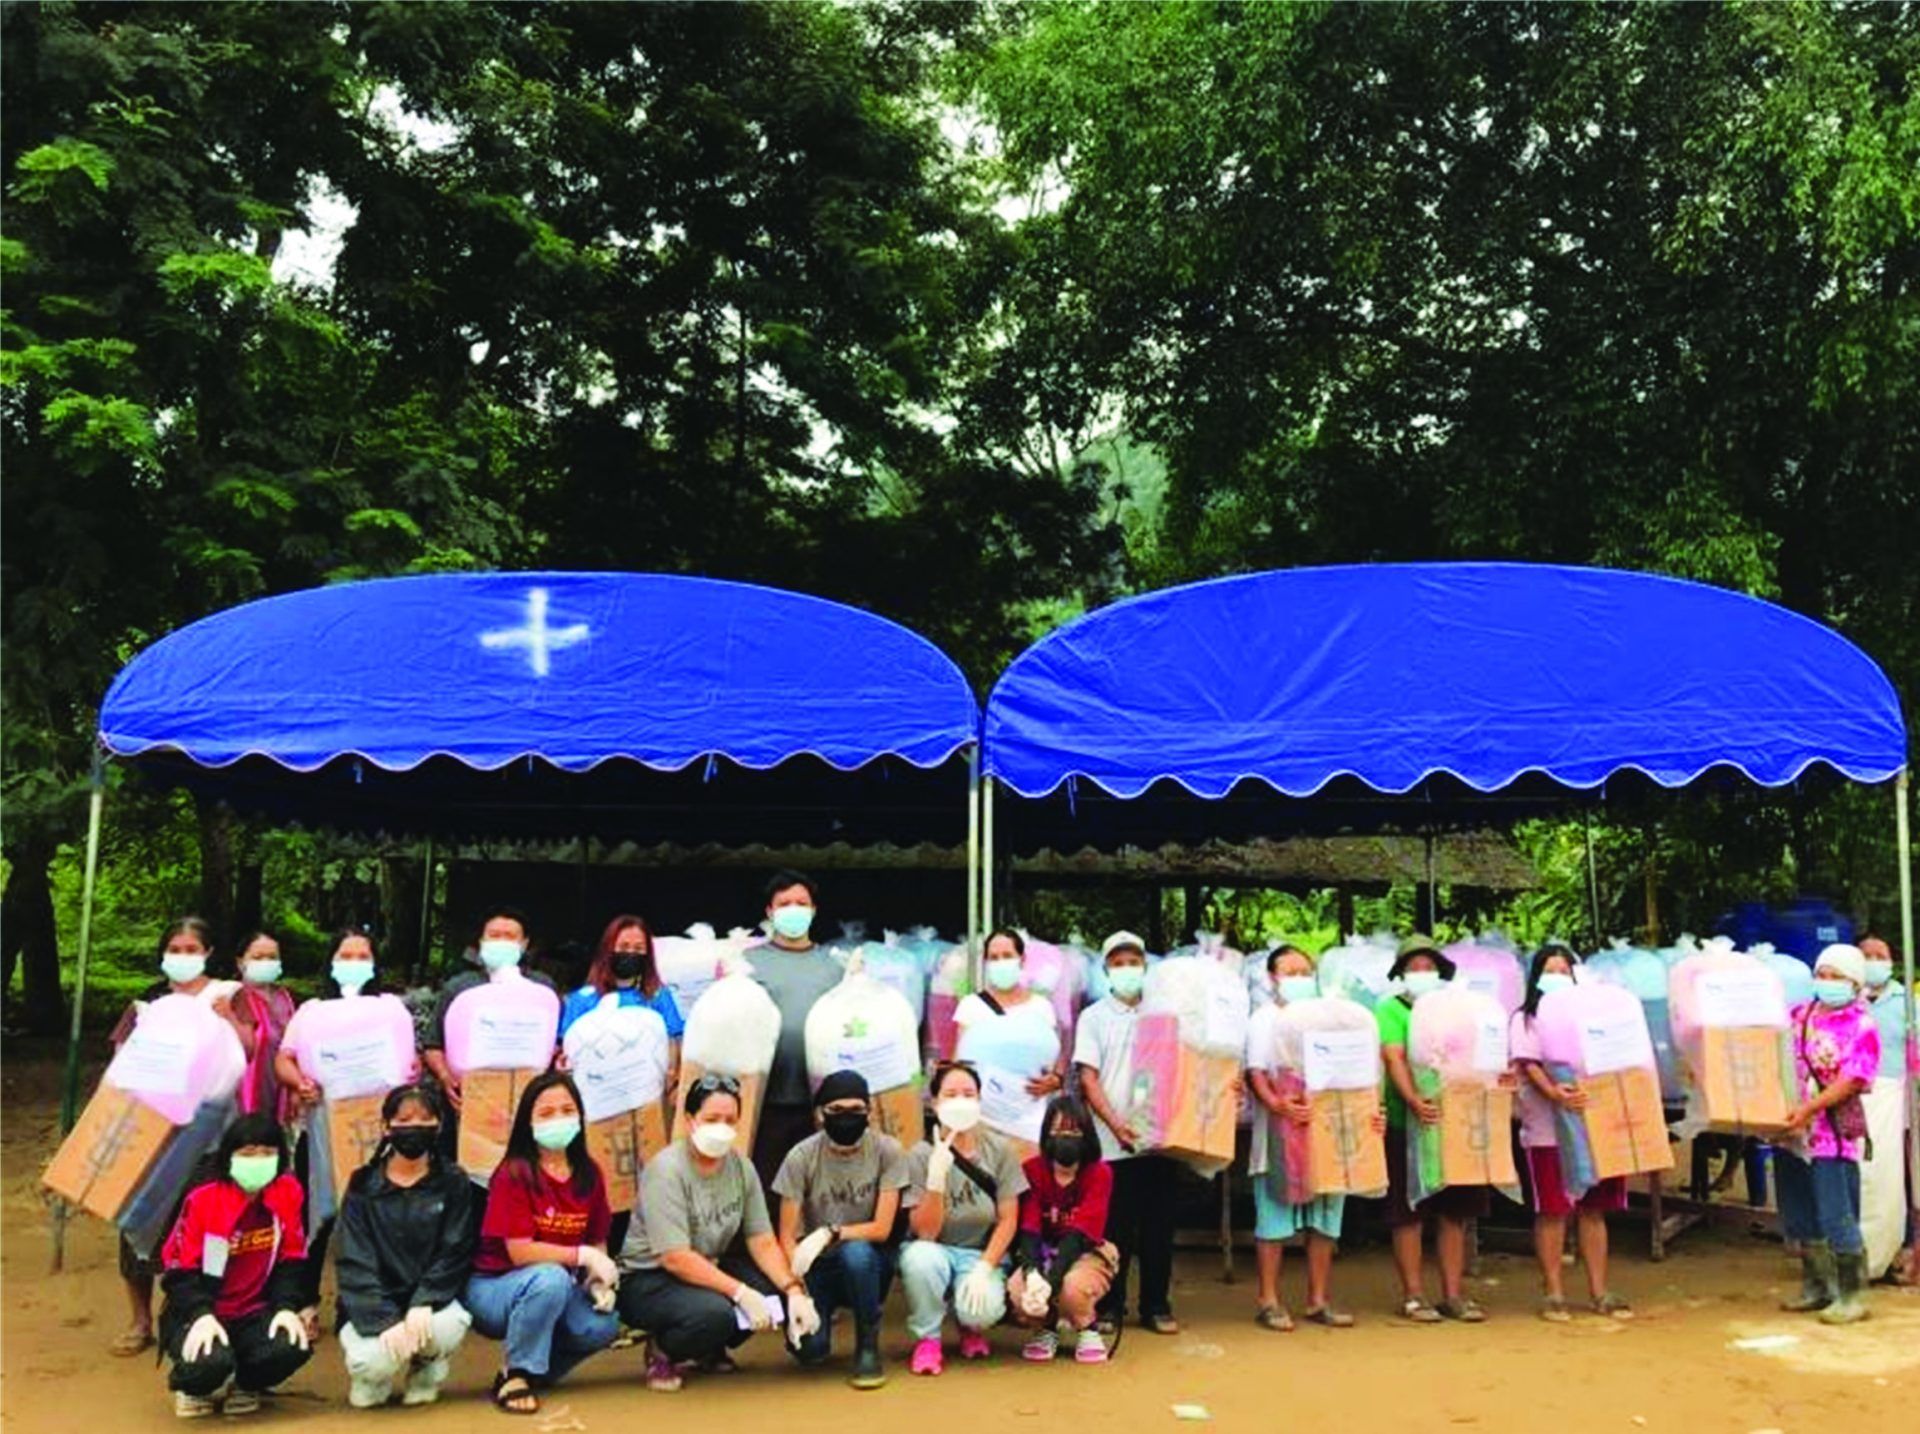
<point>193,1406</point>
<point>1041,1346</point>
<point>423,1386</point>
<point>369,1393</point>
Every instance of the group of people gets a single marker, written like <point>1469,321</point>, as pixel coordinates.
<point>977,1229</point>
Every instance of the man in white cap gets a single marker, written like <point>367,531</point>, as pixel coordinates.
<point>1836,1055</point>
<point>1141,1215</point>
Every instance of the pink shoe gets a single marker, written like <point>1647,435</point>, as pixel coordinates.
<point>973,1345</point>
<point>927,1358</point>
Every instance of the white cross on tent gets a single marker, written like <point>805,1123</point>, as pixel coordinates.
<point>538,639</point>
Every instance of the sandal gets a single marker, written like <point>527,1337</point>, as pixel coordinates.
<point>1330,1317</point>
<point>1160,1323</point>
<point>1612,1307</point>
<point>1553,1309</point>
<point>512,1394</point>
<point>1275,1318</point>
<point>1463,1309</point>
<point>131,1342</point>
<point>1418,1311</point>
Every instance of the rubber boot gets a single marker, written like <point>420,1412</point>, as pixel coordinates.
<point>867,1373</point>
<point>1851,1306</point>
<point>1817,1279</point>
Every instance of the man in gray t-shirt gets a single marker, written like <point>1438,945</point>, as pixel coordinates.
<point>796,973</point>
<point>833,1186</point>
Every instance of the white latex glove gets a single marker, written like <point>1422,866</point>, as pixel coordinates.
<point>288,1323</point>
<point>939,1163</point>
<point>802,1318</point>
<point>809,1250</point>
<point>601,1295</point>
<point>398,1341</point>
<point>973,1299</point>
<point>598,1265</point>
<point>754,1306</point>
<point>1035,1294</point>
<point>420,1326</point>
<point>202,1335</point>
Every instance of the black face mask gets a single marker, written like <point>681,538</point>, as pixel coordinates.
<point>1066,1149</point>
<point>627,965</point>
<point>844,1127</point>
<point>413,1141</point>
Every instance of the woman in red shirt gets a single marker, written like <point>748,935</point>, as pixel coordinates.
<point>542,1279</point>
<point>233,1277</point>
<point>1063,1262</point>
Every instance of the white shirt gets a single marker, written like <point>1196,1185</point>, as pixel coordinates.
<point>1104,1041</point>
<point>1034,1008</point>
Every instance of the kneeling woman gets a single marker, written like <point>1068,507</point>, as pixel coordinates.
<point>232,1272</point>
<point>696,1197</point>
<point>406,1243</point>
<point>542,1280</point>
<point>1063,1264</point>
<point>963,1190</point>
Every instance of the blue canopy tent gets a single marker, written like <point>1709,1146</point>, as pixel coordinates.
<point>641,706</point>
<point>1418,690</point>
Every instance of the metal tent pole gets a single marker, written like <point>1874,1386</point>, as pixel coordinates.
<point>1593,884</point>
<point>70,1086</point>
<point>973,853</point>
<point>423,956</point>
<point>1903,855</point>
<point>1433,887</point>
<point>986,853</point>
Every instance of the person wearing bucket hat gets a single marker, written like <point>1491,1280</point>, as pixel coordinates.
<point>1420,968</point>
<point>1836,1055</point>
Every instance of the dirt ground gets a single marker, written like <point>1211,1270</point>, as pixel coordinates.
<point>1681,1366</point>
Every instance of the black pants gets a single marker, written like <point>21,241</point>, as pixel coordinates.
<point>781,1128</point>
<point>1140,1218</point>
<point>251,1358</point>
<point>684,1321</point>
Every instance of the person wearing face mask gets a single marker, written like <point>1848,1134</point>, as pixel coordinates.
<point>963,1203</point>
<point>839,1192</point>
<point>502,947</point>
<point>185,948</point>
<point>1836,1055</point>
<point>1008,997</point>
<point>542,1280</point>
<point>796,973</point>
<point>1141,1217</point>
<point>1552,970</point>
<point>1063,1262</point>
<point>407,1229</point>
<point>679,1283</point>
<point>265,1006</point>
<point>1886,1196</point>
<point>1275,1222</point>
<point>1421,969</point>
<point>232,1277</point>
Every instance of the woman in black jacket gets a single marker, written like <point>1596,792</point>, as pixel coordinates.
<point>405,1245</point>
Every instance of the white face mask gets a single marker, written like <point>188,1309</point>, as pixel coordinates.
<point>498,955</point>
<point>711,1140</point>
<point>958,1113</point>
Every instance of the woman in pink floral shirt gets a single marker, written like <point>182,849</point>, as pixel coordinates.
<point>1836,1054</point>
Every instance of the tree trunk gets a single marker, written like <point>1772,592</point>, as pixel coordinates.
<point>216,873</point>
<point>32,938</point>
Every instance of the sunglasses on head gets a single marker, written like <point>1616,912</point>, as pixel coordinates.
<point>717,1084</point>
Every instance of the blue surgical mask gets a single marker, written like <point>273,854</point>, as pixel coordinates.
<point>1003,973</point>
<point>1298,988</point>
<point>261,973</point>
<point>1421,983</point>
<point>556,1134</point>
<point>1833,991</point>
<point>1126,982</point>
<point>1879,970</point>
<point>497,955</point>
<point>350,976</point>
<point>1551,981</point>
<point>180,968</point>
<point>792,923</point>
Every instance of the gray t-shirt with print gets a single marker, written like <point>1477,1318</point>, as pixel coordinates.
<point>795,980</point>
<point>836,1188</point>
<point>969,1215</point>
<point>681,1209</point>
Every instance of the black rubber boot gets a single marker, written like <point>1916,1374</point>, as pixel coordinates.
<point>867,1373</point>
<point>1818,1279</point>
<point>1851,1306</point>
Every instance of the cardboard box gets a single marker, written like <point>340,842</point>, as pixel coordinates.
<point>1626,1125</point>
<point>622,1145</point>
<point>1746,1080</point>
<point>901,1113</point>
<point>488,1100</point>
<point>750,1092</point>
<point>1345,1154</point>
<point>1185,1100</point>
<point>353,1130</point>
<point>1476,1137</point>
<point>108,1152</point>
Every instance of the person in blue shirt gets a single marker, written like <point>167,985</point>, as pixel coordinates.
<point>623,962</point>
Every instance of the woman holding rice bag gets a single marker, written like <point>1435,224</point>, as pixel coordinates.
<point>1552,970</point>
<point>1276,1220</point>
<point>1008,997</point>
<point>1836,1055</point>
<point>623,963</point>
<point>1421,969</point>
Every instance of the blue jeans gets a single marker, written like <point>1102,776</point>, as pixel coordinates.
<point>929,1271</point>
<point>853,1275</point>
<point>544,1316</point>
<point>1819,1200</point>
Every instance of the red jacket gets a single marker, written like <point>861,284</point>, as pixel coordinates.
<point>1049,1209</point>
<point>194,1259</point>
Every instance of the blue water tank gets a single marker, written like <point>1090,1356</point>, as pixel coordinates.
<point>1802,927</point>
